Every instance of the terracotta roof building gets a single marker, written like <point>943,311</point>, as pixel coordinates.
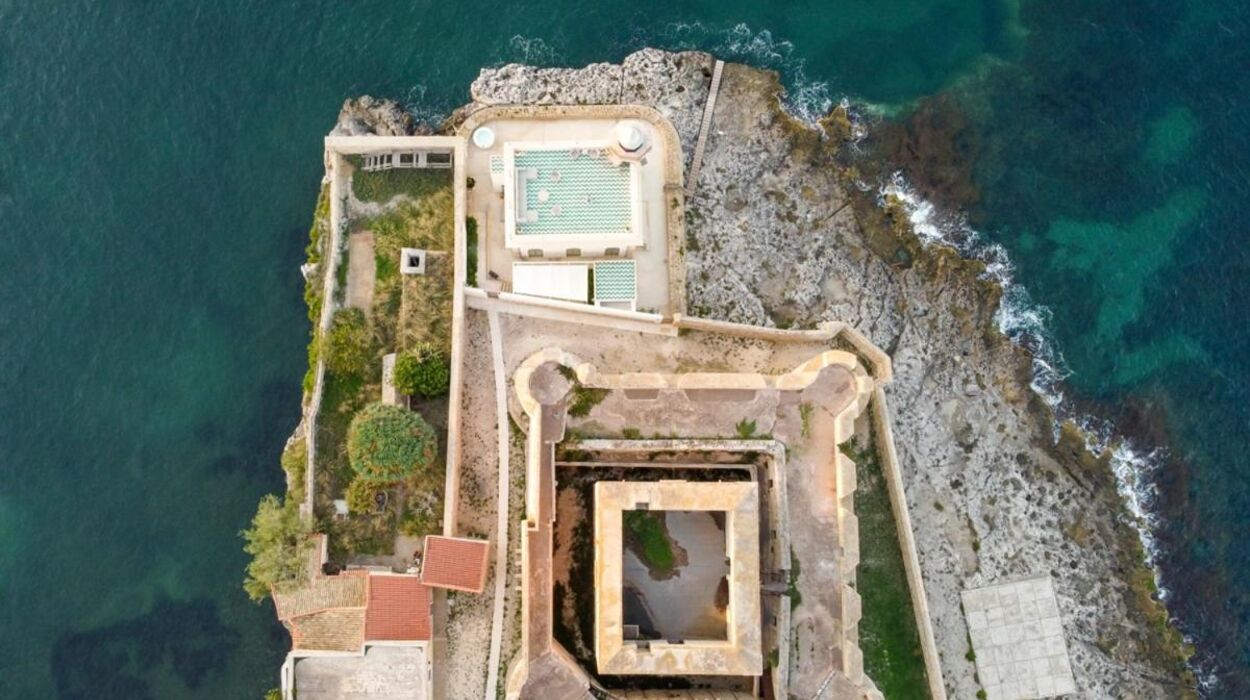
<point>457,563</point>
<point>398,609</point>
<point>344,612</point>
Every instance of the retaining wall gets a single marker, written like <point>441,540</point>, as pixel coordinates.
<point>330,262</point>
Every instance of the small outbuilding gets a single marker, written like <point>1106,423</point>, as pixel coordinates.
<point>457,563</point>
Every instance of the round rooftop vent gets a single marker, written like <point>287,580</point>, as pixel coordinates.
<point>484,137</point>
<point>629,136</point>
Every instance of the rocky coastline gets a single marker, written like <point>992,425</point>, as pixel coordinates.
<point>779,234</point>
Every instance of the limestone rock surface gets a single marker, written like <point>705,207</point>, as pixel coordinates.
<point>367,115</point>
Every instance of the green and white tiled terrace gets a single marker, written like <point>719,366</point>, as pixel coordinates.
<point>573,191</point>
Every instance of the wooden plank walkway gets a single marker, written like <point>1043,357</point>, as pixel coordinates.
<point>708,108</point>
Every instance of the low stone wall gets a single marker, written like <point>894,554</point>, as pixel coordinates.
<point>568,312</point>
<point>824,332</point>
<point>882,366</point>
<point>455,399</point>
<point>333,253</point>
<point>796,379</point>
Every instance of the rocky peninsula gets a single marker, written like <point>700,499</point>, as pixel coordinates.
<point>781,232</point>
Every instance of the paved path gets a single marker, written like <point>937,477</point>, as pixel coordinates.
<point>361,271</point>
<point>501,505</point>
<point>704,127</point>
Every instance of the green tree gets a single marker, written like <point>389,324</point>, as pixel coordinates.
<point>362,495</point>
<point>349,346</point>
<point>273,694</point>
<point>422,371</point>
<point>386,443</point>
<point>278,542</point>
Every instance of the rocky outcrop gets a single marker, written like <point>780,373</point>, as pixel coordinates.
<point>367,115</point>
<point>778,235</point>
<point>676,84</point>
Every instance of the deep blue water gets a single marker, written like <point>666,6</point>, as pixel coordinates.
<point>159,162</point>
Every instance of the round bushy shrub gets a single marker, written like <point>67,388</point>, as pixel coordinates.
<point>387,443</point>
<point>362,495</point>
<point>422,371</point>
<point>349,346</point>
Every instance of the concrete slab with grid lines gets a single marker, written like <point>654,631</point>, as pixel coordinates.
<point>1017,636</point>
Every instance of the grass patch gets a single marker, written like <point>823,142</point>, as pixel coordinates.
<point>646,536</point>
<point>319,232</point>
<point>887,631</point>
<point>408,310</point>
<point>295,464</point>
<point>470,239</point>
<point>792,586</point>
<point>584,399</point>
<point>805,415</point>
<point>382,186</point>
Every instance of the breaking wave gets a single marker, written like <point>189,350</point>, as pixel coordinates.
<point>531,50</point>
<point>417,103</point>
<point>805,98</point>
<point>1026,323</point>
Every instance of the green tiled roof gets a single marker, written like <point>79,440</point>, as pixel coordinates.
<point>616,280</point>
<point>585,193</point>
<point>496,164</point>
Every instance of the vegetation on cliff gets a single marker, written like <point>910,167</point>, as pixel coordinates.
<point>279,542</point>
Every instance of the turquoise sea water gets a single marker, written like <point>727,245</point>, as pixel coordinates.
<point>159,162</point>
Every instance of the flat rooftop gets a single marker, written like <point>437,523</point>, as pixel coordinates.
<point>382,673</point>
<point>1017,634</point>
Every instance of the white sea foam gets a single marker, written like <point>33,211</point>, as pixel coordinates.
<point>420,107</point>
<point>531,50</point>
<point>805,98</point>
<point>1027,323</point>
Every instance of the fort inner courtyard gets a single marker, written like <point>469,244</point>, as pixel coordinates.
<point>676,575</point>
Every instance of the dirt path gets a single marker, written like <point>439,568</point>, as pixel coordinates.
<point>361,271</point>
<point>501,528</point>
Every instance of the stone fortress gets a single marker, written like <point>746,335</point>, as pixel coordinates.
<point>594,407</point>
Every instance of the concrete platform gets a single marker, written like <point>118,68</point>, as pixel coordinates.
<point>383,673</point>
<point>1017,635</point>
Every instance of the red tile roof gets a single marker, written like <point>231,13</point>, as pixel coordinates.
<point>455,562</point>
<point>398,609</point>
